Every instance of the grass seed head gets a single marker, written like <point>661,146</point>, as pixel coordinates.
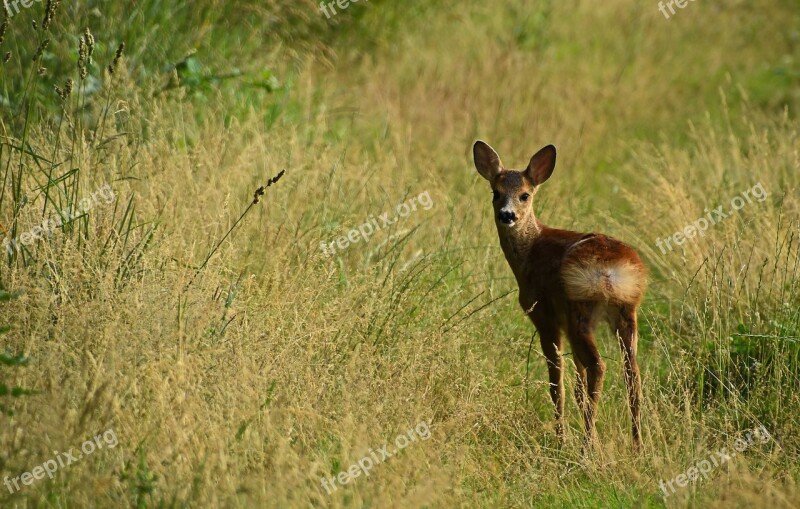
<point>87,35</point>
<point>63,93</point>
<point>85,51</point>
<point>49,13</point>
<point>3,29</point>
<point>117,58</point>
<point>43,46</point>
<point>82,54</point>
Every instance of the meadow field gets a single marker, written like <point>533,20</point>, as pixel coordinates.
<point>247,260</point>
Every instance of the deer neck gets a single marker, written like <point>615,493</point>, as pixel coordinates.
<point>517,243</point>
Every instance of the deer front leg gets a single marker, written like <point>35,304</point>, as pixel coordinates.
<point>550,339</point>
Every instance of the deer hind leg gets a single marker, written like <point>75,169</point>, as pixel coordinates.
<point>625,327</point>
<point>550,339</point>
<point>580,384</point>
<point>582,321</point>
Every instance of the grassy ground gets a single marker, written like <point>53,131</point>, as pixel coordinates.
<point>242,378</point>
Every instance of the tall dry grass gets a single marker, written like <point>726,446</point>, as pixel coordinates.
<point>279,365</point>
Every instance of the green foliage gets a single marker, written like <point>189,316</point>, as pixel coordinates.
<point>141,479</point>
<point>10,361</point>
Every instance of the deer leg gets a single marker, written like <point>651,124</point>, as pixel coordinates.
<point>625,327</point>
<point>580,385</point>
<point>550,339</point>
<point>581,336</point>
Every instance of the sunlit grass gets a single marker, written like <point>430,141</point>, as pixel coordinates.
<point>280,365</point>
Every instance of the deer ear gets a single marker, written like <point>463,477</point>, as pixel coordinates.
<point>487,162</point>
<point>542,165</point>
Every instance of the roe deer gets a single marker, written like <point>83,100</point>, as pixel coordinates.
<point>568,282</point>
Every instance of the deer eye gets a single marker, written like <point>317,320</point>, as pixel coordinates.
<point>524,196</point>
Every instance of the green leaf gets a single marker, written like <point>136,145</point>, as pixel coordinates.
<point>266,80</point>
<point>15,391</point>
<point>6,296</point>
<point>17,360</point>
<point>244,425</point>
<point>19,391</point>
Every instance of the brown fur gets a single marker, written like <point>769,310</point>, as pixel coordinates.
<point>568,282</point>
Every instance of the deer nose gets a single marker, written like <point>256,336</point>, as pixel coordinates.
<point>507,216</point>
